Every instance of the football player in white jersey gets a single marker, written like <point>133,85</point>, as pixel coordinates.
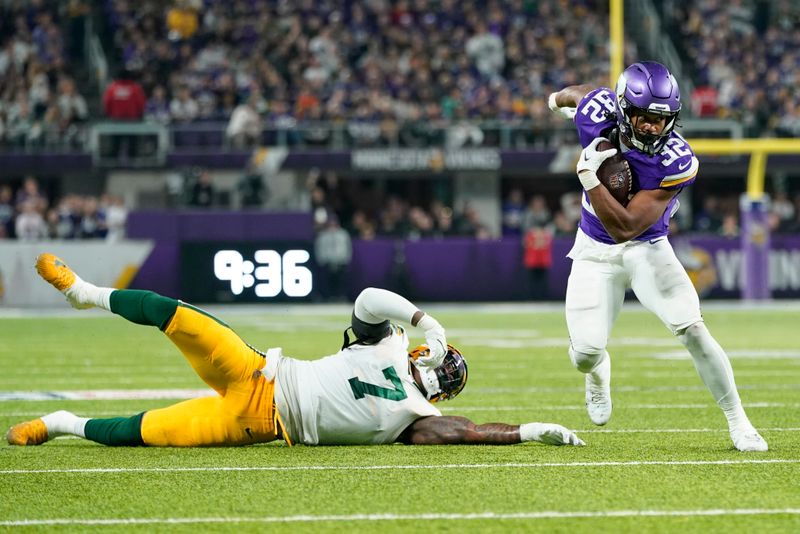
<point>626,246</point>
<point>372,391</point>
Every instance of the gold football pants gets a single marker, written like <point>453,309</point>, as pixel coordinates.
<point>242,412</point>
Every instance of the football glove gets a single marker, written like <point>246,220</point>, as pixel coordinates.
<point>549,434</point>
<point>590,160</point>
<point>436,341</point>
<point>567,113</point>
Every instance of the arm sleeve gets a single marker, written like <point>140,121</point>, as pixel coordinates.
<point>375,305</point>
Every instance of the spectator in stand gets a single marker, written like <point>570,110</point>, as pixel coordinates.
<point>537,246</point>
<point>362,226</point>
<point>730,226</point>
<point>30,226</point>
<point>182,20</point>
<point>486,50</point>
<point>184,108</point>
<point>6,210</point>
<point>93,223</point>
<point>30,193</point>
<point>203,192</point>
<point>116,217</point>
<point>71,104</point>
<point>709,219</point>
<point>783,208</point>
<point>57,227</point>
<point>124,99</point>
<point>537,214</point>
<point>157,107</point>
<point>513,212</point>
<point>333,252</point>
<point>564,226</point>
<point>244,128</point>
<point>421,224</point>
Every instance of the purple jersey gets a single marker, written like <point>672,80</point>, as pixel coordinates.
<point>673,168</point>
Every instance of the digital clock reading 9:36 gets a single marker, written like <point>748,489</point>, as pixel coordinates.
<point>268,274</point>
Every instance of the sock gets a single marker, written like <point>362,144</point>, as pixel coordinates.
<point>143,307</point>
<point>597,368</point>
<point>116,431</point>
<point>715,370</point>
<point>63,422</point>
<point>601,373</point>
<point>86,295</point>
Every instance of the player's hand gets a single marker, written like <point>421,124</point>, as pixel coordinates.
<point>566,112</point>
<point>435,339</point>
<point>590,160</point>
<point>549,434</point>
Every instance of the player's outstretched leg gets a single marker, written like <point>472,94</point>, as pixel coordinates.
<point>111,431</point>
<point>80,294</point>
<point>714,368</point>
<point>140,307</point>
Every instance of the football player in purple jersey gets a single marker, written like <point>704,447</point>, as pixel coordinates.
<point>617,246</point>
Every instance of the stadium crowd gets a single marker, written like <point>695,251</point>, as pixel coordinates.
<point>27,214</point>
<point>375,63</point>
<point>745,57</point>
<point>39,102</point>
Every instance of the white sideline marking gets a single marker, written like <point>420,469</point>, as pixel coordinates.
<point>176,393</point>
<point>106,394</point>
<point>453,409</point>
<point>403,517</point>
<point>392,467</point>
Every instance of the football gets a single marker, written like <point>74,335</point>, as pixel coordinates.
<point>615,174</point>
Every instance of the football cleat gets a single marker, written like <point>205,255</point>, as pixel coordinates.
<point>748,440</point>
<point>28,433</point>
<point>598,393</point>
<point>55,271</point>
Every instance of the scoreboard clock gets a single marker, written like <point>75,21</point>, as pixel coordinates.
<point>246,271</point>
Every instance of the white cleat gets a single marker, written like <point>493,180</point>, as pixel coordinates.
<point>598,393</point>
<point>748,440</point>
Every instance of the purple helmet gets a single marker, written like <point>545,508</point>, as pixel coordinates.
<point>647,87</point>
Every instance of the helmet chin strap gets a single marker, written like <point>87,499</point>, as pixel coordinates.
<point>430,382</point>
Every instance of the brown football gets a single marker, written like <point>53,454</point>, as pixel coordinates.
<point>615,174</point>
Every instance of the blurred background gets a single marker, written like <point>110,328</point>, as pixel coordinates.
<point>260,151</point>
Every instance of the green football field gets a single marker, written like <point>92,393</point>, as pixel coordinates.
<point>664,463</point>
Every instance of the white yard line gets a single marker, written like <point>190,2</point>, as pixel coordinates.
<point>404,517</point>
<point>167,394</point>
<point>178,393</point>
<point>395,467</point>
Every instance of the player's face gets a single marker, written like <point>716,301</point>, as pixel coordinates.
<point>648,123</point>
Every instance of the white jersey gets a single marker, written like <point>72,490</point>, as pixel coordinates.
<point>364,394</point>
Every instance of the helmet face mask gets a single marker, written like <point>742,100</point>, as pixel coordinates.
<point>647,88</point>
<point>447,380</point>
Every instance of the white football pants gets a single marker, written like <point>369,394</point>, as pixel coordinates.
<point>596,290</point>
<point>595,293</point>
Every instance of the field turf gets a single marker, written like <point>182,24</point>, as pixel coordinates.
<point>664,463</point>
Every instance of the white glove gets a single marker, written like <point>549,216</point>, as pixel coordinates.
<point>436,341</point>
<point>590,160</point>
<point>549,434</point>
<point>567,113</point>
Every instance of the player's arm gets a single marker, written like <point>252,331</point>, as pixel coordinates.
<point>571,96</point>
<point>621,223</point>
<point>453,430</point>
<point>626,223</point>
<point>375,305</point>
